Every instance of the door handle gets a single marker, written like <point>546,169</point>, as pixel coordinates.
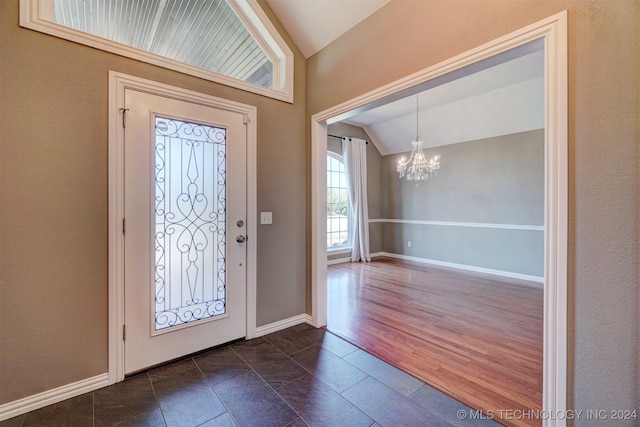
<point>241,239</point>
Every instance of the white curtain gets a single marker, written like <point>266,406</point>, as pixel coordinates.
<point>355,163</point>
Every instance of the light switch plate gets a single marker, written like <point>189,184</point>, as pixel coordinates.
<point>266,218</point>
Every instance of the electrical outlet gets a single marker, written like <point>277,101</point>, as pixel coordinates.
<point>408,243</point>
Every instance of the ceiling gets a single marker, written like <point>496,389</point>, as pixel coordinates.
<point>502,98</point>
<point>313,24</point>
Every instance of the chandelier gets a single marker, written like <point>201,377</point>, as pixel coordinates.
<point>417,167</point>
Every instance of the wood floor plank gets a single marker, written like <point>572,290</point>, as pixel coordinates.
<point>475,337</point>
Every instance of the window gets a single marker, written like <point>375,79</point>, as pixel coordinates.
<point>227,41</point>
<point>338,211</point>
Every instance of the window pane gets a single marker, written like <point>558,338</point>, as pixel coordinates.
<point>337,204</point>
<point>202,33</point>
<point>335,179</point>
<point>343,196</point>
<point>331,163</point>
<point>343,180</point>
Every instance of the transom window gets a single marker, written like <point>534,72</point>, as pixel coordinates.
<point>338,212</point>
<point>227,41</point>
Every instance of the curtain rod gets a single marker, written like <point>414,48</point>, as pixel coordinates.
<point>340,137</point>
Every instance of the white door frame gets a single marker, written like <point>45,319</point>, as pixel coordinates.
<point>118,83</point>
<point>553,32</point>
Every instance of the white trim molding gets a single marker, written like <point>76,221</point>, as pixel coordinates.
<point>339,251</point>
<point>283,324</point>
<point>459,224</point>
<point>338,261</point>
<point>552,32</point>
<point>118,83</point>
<point>476,269</point>
<point>49,397</point>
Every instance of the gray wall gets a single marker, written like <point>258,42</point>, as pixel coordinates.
<point>496,181</point>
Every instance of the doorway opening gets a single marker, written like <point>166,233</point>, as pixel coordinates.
<point>552,34</point>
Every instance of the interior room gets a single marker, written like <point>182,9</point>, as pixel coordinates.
<point>90,106</point>
<point>481,210</point>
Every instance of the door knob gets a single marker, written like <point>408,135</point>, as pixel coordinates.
<point>241,239</point>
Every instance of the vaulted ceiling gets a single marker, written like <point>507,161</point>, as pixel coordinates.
<point>313,24</point>
<point>499,100</point>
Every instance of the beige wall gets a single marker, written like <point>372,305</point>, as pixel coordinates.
<point>53,180</point>
<point>603,310</point>
<point>53,203</point>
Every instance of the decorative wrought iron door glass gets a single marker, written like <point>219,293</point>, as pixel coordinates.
<point>190,210</point>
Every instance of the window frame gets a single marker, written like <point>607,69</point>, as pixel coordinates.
<point>348,247</point>
<point>37,15</point>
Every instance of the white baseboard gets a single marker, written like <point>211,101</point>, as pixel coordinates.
<point>40,400</point>
<point>535,279</point>
<point>338,261</point>
<point>283,324</point>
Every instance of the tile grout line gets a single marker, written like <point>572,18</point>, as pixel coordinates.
<point>216,394</point>
<point>323,382</point>
<point>155,396</point>
<point>311,373</point>
<point>269,385</point>
<point>288,357</point>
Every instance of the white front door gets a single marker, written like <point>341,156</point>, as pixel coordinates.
<point>185,224</point>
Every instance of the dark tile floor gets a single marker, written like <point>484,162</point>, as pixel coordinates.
<point>300,376</point>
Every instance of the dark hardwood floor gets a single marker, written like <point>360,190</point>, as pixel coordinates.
<point>476,337</point>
